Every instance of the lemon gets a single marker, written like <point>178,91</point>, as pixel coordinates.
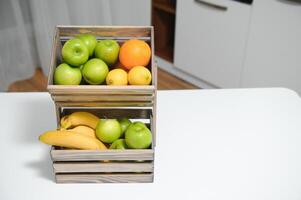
<point>139,75</point>
<point>117,77</point>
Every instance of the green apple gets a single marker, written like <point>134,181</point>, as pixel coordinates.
<point>108,51</point>
<point>124,124</point>
<point>89,40</point>
<point>108,130</point>
<point>95,71</point>
<point>75,52</point>
<point>119,144</point>
<point>66,75</point>
<point>138,136</point>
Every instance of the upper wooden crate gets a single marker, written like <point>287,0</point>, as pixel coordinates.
<point>135,95</point>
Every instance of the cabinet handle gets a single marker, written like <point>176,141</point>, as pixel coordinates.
<point>212,4</point>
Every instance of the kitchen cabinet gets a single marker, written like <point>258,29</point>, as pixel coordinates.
<point>273,56</point>
<point>211,38</point>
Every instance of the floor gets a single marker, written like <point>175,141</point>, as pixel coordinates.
<point>38,83</point>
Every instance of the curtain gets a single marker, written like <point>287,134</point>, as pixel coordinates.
<point>27,27</point>
<point>17,55</point>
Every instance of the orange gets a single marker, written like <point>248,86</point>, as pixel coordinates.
<point>134,53</point>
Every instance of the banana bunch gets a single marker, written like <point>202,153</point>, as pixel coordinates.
<point>77,131</point>
<point>79,118</point>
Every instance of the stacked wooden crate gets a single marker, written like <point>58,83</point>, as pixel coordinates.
<point>133,102</point>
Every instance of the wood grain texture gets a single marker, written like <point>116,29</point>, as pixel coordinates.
<point>97,155</point>
<point>96,167</point>
<point>105,104</point>
<point>102,98</point>
<point>56,55</point>
<point>111,31</point>
<point>100,89</point>
<point>104,178</point>
<point>58,115</point>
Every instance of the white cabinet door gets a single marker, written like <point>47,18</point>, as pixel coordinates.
<point>274,46</point>
<point>211,36</point>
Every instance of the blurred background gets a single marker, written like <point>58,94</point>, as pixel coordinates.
<point>198,43</point>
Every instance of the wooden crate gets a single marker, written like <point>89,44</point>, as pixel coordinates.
<point>111,95</point>
<point>134,102</point>
<point>106,166</point>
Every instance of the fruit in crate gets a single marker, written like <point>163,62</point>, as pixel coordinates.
<point>84,130</point>
<point>75,52</point>
<point>124,124</point>
<point>79,118</point>
<point>139,75</point>
<point>117,77</point>
<point>108,130</point>
<point>90,42</point>
<point>107,50</point>
<point>134,53</point>
<point>119,144</point>
<point>138,136</point>
<point>66,75</point>
<point>70,139</point>
<point>95,71</point>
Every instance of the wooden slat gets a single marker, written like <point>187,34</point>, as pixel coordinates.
<point>54,56</point>
<point>119,39</point>
<point>58,115</point>
<point>154,119</point>
<point>104,178</point>
<point>105,104</point>
<point>95,167</point>
<point>111,31</point>
<point>106,98</point>
<point>97,155</point>
<point>101,89</point>
<point>153,64</point>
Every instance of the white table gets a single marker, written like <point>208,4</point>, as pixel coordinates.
<point>211,144</point>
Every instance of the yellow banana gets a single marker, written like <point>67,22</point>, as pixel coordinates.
<point>84,130</point>
<point>71,139</point>
<point>79,118</point>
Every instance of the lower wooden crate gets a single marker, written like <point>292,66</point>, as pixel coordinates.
<point>103,166</point>
<point>106,166</point>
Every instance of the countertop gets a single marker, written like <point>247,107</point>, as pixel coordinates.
<point>211,144</point>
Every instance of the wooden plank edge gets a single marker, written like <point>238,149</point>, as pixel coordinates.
<point>97,155</point>
<point>101,167</point>
<point>104,178</point>
<point>98,26</point>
